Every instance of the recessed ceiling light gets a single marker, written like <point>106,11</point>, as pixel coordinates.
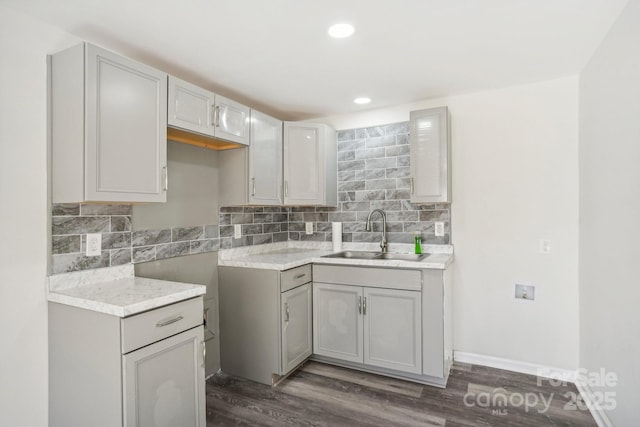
<point>362,100</point>
<point>340,31</point>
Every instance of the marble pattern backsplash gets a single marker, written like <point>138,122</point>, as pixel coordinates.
<point>72,221</point>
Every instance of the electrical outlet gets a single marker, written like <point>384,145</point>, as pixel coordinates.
<point>237,231</point>
<point>94,244</point>
<point>545,246</point>
<point>308,227</point>
<point>439,229</point>
<point>527,292</point>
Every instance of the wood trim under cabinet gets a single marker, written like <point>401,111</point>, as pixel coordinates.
<point>179,135</point>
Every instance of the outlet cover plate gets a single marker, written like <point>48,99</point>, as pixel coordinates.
<point>94,244</point>
<point>525,292</point>
<point>439,228</point>
<point>308,227</point>
<point>237,231</point>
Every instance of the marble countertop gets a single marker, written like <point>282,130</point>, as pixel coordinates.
<point>116,291</point>
<point>290,254</point>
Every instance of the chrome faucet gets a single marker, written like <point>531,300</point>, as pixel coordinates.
<point>367,227</point>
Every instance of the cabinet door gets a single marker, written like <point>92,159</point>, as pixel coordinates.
<point>265,160</point>
<point>303,164</point>
<point>296,326</point>
<point>164,382</point>
<point>337,322</point>
<point>126,129</point>
<point>392,329</point>
<point>190,107</point>
<point>232,120</point>
<point>430,162</point>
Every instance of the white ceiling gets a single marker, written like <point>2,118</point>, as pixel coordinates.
<point>275,55</point>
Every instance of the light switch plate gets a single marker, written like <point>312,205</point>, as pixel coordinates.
<point>439,228</point>
<point>237,231</point>
<point>308,227</point>
<point>94,244</point>
<point>545,246</point>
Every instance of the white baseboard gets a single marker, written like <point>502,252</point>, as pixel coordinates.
<point>598,413</point>
<point>515,366</point>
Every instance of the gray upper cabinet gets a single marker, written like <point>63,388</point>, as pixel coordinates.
<point>109,123</point>
<point>265,160</point>
<point>198,110</point>
<point>430,146</point>
<point>191,107</point>
<point>253,175</point>
<point>310,164</point>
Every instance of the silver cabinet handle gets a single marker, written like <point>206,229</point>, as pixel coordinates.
<point>216,116</point>
<point>286,188</point>
<point>364,306</point>
<point>169,321</point>
<point>253,187</point>
<point>165,173</point>
<point>286,312</point>
<point>204,353</point>
<point>411,183</point>
<point>214,113</point>
<point>299,276</point>
<point>359,305</point>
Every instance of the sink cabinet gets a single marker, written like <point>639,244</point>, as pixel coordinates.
<point>109,128</point>
<point>395,322</point>
<point>265,321</point>
<point>141,370</point>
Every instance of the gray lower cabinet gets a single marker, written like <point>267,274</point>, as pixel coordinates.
<point>265,321</point>
<point>395,322</point>
<point>142,370</point>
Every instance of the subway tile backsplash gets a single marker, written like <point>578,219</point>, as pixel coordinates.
<point>373,173</point>
<point>71,222</point>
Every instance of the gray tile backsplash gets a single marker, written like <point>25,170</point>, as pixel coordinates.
<point>71,223</point>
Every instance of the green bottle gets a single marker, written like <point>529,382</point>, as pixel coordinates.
<point>418,240</point>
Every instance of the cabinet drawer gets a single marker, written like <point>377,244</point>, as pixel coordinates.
<point>154,325</point>
<point>290,279</point>
<point>410,280</point>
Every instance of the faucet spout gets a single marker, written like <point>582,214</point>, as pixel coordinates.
<point>367,227</point>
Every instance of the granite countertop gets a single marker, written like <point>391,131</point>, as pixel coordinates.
<point>290,254</point>
<point>116,291</point>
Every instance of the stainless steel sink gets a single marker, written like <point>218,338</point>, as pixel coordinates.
<point>403,257</point>
<point>377,255</point>
<point>355,255</point>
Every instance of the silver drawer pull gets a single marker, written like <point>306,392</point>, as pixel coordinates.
<point>299,276</point>
<point>169,321</point>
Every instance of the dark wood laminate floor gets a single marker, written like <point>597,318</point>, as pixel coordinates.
<point>324,395</point>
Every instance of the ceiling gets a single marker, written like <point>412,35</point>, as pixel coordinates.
<point>276,55</point>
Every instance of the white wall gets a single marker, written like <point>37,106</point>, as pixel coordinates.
<point>515,181</point>
<point>610,213</point>
<point>24,44</point>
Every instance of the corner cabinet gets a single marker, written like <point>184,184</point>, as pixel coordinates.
<point>310,164</point>
<point>265,321</point>
<point>430,150</point>
<point>253,175</point>
<point>142,370</point>
<point>394,322</point>
<point>108,128</point>
<point>198,110</point>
